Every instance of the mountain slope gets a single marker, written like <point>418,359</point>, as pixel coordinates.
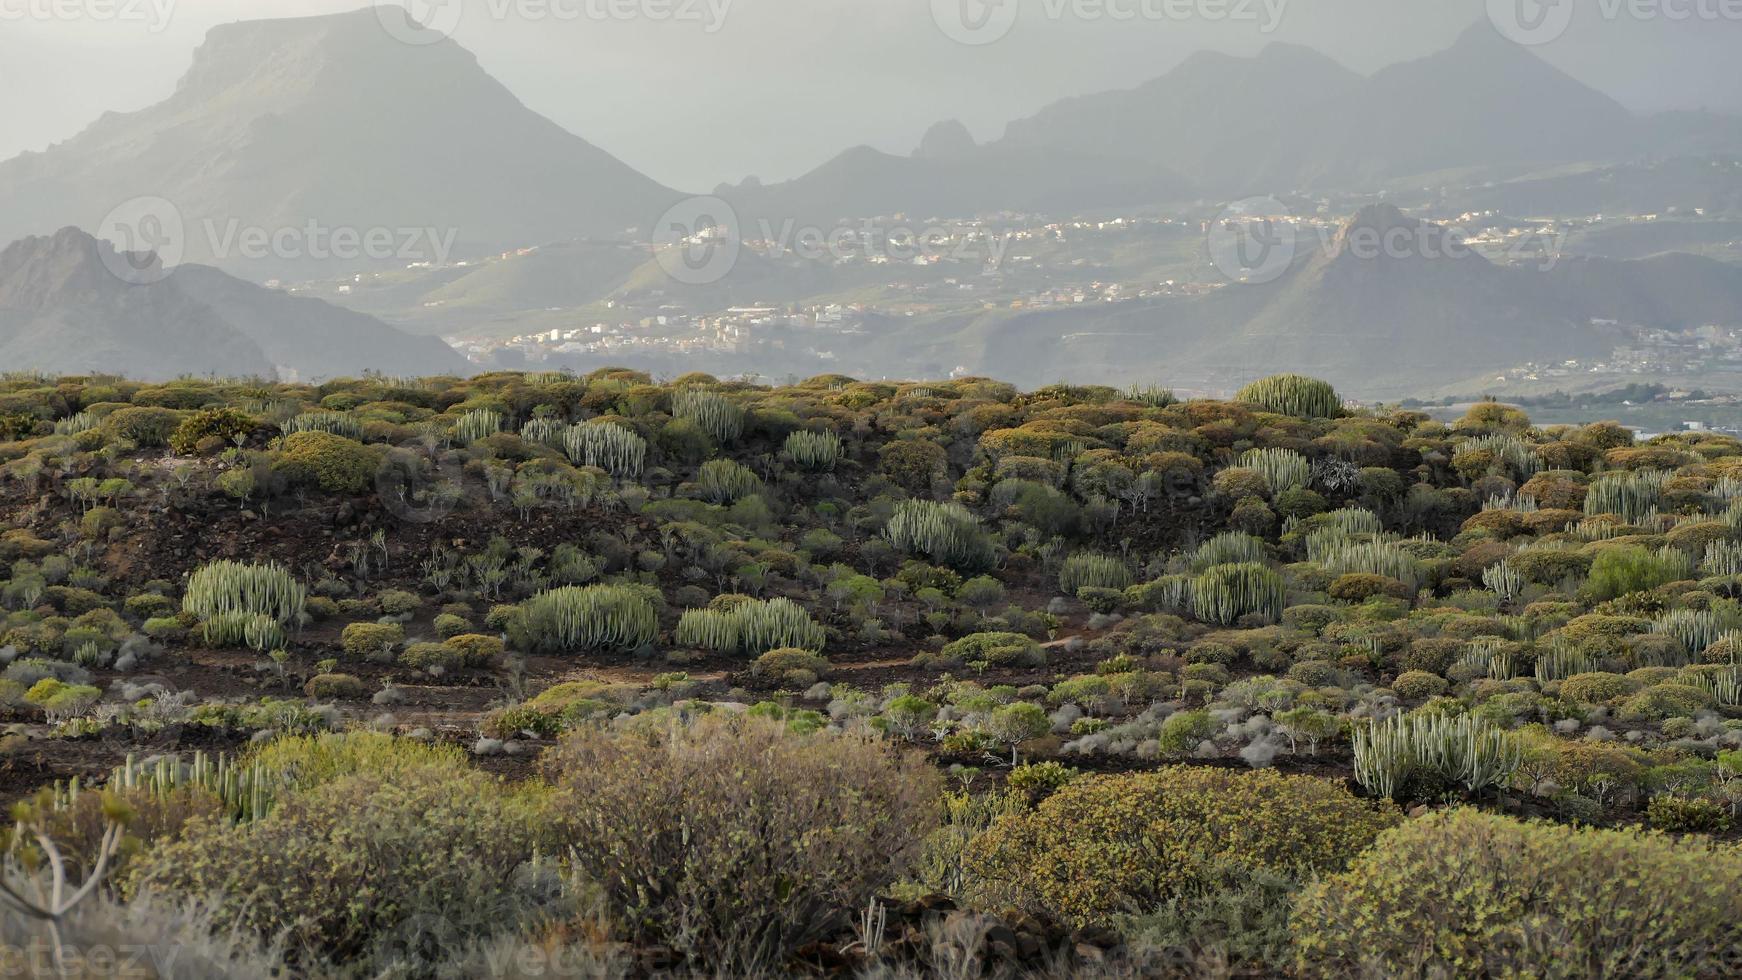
<point>329,119</point>
<point>62,309</point>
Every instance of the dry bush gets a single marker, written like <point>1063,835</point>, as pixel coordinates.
<point>732,840</point>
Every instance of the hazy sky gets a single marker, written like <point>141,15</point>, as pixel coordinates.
<point>775,87</point>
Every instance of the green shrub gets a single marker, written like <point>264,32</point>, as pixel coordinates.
<point>398,602</point>
<point>1127,843</point>
<point>996,649</point>
<point>1622,569</point>
<point>1596,687</point>
<point>476,649</point>
<point>1687,815</point>
<point>790,666</point>
<point>1418,685</point>
<point>369,639</point>
<point>143,426</point>
<point>336,871</point>
<point>222,424</point>
<point>332,463</point>
<point>1464,893</point>
<point>733,841</point>
<point>434,658</point>
<point>342,687</point>
<point>448,625</point>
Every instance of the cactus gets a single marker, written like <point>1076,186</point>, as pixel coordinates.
<point>1560,663</point>
<point>1352,521</point>
<point>718,415</point>
<point>593,617</point>
<point>1463,749</point>
<point>1725,687</point>
<point>477,424</point>
<point>1228,548</point>
<point>247,792</point>
<point>752,628</point>
<point>1633,496</point>
<point>231,587</point>
<point>1098,571</point>
<point>946,533</point>
<point>723,481</point>
<point>1281,468</point>
<point>336,423</point>
<point>1697,629</point>
<point>1152,396</point>
<point>544,431</point>
<point>1723,559</point>
<point>254,631</point>
<point>1226,593</point>
<point>817,452</point>
<point>1387,558</point>
<point>1504,580</point>
<point>73,425</point>
<point>614,448</point>
<point>1519,458</point>
<point>1293,394</point>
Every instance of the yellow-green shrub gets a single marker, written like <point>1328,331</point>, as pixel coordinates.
<point>1464,893</point>
<point>368,639</point>
<point>1109,844</point>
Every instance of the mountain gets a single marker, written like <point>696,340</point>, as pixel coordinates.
<point>1378,319</point>
<point>330,120</point>
<point>65,307</point>
<point>971,180</point>
<point>1186,119</point>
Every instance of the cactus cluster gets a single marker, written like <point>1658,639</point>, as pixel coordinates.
<point>334,423</point>
<point>1281,468</point>
<point>1509,451</point>
<point>1293,394</point>
<point>1504,580</point>
<point>1091,570</point>
<point>1153,396</point>
<point>246,791</point>
<point>718,416</point>
<point>592,617</point>
<point>1633,496</point>
<point>1225,594</point>
<point>1697,629</point>
<point>1378,557</point>
<point>1559,663</point>
<point>233,588</point>
<point>946,533</point>
<point>1228,548</point>
<point>1723,559</point>
<point>1463,749</point>
<point>723,481</point>
<point>817,452</point>
<point>614,448</point>
<point>544,431</point>
<point>477,424</point>
<point>750,627</point>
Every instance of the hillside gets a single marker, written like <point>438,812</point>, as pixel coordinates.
<point>329,120</point>
<point>63,309</point>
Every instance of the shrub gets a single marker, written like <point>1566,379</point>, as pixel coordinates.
<point>1687,815</point>
<point>996,649</point>
<point>1358,587</point>
<point>476,649</point>
<point>333,463</point>
<point>222,424</point>
<point>1464,893</point>
<point>335,687</point>
<point>398,602</point>
<point>368,639</point>
<point>723,481</point>
<point>436,658</point>
<point>592,617</point>
<point>790,666</point>
<point>1596,687</point>
<point>1107,844</point>
<point>733,841</point>
<point>338,869</point>
<point>144,426</point>
<point>448,625</point>
<point>1418,685</point>
<point>1623,569</point>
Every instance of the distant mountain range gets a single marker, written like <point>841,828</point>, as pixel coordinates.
<point>1380,323</point>
<point>280,123</point>
<point>64,309</point>
<point>1225,127</point>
